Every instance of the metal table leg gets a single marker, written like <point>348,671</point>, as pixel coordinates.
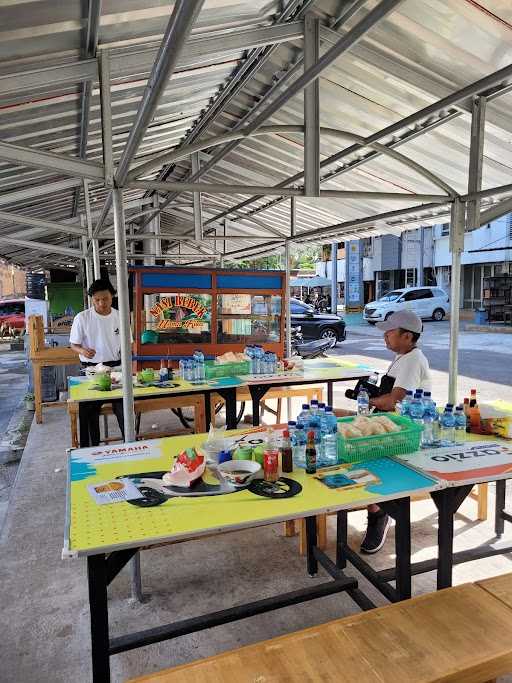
<point>447,502</point>
<point>341,538</point>
<point>400,511</point>
<point>229,396</point>
<point>136,578</point>
<point>312,561</point>
<point>257,392</point>
<point>97,578</point>
<point>499,521</point>
<point>330,395</point>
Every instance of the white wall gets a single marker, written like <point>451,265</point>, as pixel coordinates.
<point>411,248</point>
<point>324,269</point>
<point>482,238</point>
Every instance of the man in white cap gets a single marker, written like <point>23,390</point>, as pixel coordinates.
<point>408,371</point>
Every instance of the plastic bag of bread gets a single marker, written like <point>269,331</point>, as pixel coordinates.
<point>361,422</point>
<point>377,428</point>
<point>349,431</point>
<point>389,425</point>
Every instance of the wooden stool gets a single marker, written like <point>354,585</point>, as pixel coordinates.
<point>148,405</point>
<point>243,395</point>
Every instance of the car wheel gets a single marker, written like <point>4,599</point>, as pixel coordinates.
<point>329,333</point>
<point>438,314</point>
<point>387,315</point>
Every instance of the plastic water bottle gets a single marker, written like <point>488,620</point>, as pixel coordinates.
<point>199,370</point>
<point>448,423</point>
<point>303,416</point>
<point>257,360</point>
<point>460,422</point>
<point>363,402</point>
<point>416,409</point>
<point>429,420</point>
<point>189,370</point>
<point>329,438</point>
<point>406,402</point>
<point>292,427</point>
<point>299,446</point>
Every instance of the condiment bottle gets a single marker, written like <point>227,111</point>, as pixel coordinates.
<point>286,453</point>
<point>311,454</point>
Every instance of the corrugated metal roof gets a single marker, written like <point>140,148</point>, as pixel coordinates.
<point>421,52</point>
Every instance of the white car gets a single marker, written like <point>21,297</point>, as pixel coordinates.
<point>426,302</point>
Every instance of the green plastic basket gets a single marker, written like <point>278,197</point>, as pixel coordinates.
<point>214,371</point>
<point>380,445</point>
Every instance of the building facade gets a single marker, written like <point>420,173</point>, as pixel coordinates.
<point>422,257</point>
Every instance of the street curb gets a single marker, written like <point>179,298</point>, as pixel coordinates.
<point>13,443</point>
<point>488,328</point>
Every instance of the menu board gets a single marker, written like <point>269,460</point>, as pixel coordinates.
<point>236,304</point>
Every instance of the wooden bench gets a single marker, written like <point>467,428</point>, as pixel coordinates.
<point>457,635</point>
<point>243,395</point>
<point>147,405</point>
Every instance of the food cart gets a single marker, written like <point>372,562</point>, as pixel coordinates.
<point>178,310</point>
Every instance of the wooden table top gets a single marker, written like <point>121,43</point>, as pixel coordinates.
<point>458,634</point>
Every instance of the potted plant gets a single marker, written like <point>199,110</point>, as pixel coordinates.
<point>30,402</point>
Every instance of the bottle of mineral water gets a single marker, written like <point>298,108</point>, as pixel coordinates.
<point>406,402</point>
<point>299,446</point>
<point>303,416</point>
<point>416,409</point>
<point>448,423</point>
<point>329,437</point>
<point>429,420</point>
<point>363,402</point>
<point>460,422</point>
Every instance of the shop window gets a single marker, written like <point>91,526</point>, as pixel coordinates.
<point>248,318</point>
<point>179,319</point>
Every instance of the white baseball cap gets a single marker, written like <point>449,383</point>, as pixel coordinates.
<point>406,320</point>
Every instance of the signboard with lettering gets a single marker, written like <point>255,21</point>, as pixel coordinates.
<point>465,463</point>
<point>354,290</point>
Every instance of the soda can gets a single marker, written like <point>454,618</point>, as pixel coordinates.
<point>271,465</point>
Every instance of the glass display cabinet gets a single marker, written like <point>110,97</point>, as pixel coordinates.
<point>179,310</point>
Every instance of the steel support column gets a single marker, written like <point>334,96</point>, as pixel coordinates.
<point>106,117</point>
<point>88,264</point>
<point>198,208</point>
<point>124,315</point>
<point>334,277</point>
<point>476,156</point>
<point>311,109</point>
<point>421,257</point>
<point>457,226</point>
<point>180,24</point>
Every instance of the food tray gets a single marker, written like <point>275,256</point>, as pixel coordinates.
<point>214,371</point>
<point>380,445</point>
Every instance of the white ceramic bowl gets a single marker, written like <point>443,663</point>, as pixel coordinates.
<point>239,472</point>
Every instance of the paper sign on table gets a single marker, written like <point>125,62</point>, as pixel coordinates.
<point>116,491</point>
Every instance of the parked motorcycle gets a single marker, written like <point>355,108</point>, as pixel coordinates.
<point>311,349</point>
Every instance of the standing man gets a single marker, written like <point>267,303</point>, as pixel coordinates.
<point>95,337</point>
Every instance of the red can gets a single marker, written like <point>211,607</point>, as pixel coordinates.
<point>271,465</point>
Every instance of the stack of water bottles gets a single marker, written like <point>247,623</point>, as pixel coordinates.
<point>439,429</point>
<point>193,369</point>
<point>262,362</point>
<point>320,419</point>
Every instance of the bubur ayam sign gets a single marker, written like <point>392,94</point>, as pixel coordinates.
<point>180,311</point>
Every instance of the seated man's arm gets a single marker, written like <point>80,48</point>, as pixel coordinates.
<point>387,402</point>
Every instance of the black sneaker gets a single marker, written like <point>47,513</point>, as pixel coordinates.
<point>376,532</point>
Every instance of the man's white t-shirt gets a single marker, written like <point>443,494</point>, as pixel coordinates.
<point>411,371</point>
<point>98,332</point>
